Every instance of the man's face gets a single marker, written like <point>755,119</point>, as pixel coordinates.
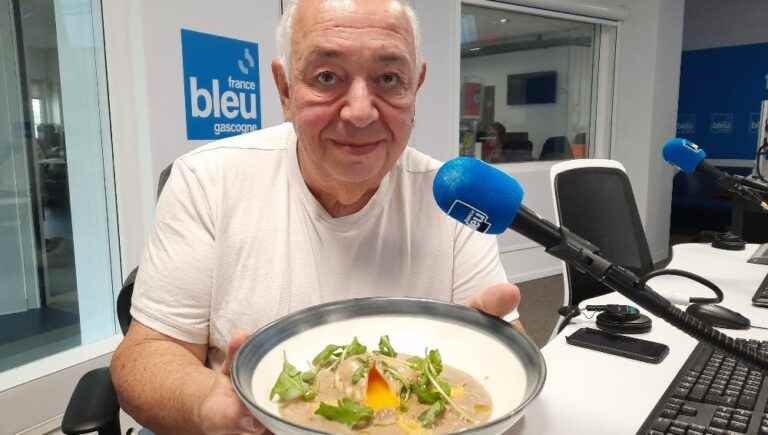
<point>352,89</point>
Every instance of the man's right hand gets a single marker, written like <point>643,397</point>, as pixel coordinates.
<point>222,412</point>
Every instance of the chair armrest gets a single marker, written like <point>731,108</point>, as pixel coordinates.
<point>93,405</point>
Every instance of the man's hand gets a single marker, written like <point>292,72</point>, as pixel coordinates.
<point>222,412</point>
<point>497,300</point>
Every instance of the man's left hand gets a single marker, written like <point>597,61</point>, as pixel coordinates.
<point>497,300</point>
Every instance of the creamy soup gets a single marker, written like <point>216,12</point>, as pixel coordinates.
<point>352,390</point>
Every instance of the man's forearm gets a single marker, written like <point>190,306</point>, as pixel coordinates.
<point>164,392</point>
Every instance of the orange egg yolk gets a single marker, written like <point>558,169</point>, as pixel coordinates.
<point>379,396</point>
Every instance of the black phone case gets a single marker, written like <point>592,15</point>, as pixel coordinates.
<point>628,347</point>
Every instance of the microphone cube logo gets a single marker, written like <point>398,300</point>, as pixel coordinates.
<point>472,217</point>
<point>754,122</point>
<point>221,85</point>
<point>686,124</point>
<point>721,123</point>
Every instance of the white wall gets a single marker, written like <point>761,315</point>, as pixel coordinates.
<point>437,104</point>
<point>718,23</point>
<point>147,93</point>
<point>648,73</point>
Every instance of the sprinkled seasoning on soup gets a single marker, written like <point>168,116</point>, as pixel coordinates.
<point>351,390</point>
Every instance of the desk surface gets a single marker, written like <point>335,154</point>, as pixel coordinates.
<point>589,392</point>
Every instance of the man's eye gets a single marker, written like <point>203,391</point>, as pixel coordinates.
<point>389,80</point>
<point>327,78</point>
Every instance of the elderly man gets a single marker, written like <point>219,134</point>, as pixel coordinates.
<point>331,205</point>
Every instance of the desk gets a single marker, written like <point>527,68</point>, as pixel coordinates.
<point>589,392</point>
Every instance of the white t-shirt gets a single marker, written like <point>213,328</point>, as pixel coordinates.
<point>239,241</point>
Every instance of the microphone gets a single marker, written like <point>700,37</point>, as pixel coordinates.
<point>689,157</point>
<point>489,201</point>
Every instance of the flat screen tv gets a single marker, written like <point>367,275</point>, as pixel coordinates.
<point>532,88</point>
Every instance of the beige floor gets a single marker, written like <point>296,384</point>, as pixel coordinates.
<point>538,309</point>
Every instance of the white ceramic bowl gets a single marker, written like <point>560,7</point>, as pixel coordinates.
<point>507,363</point>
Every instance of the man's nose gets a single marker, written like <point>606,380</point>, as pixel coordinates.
<point>358,108</point>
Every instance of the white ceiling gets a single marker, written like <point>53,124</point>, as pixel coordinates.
<point>481,24</point>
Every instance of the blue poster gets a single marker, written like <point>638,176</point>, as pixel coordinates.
<point>221,85</point>
<point>721,91</point>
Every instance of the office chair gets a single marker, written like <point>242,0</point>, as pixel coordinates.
<point>516,147</point>
<point>593,198</point>
<point>556,148</point>
<point>93,406</point>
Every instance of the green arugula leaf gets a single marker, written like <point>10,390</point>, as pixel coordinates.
<point>289,384</point>
<point>389,371</point>
<point>430,366</point>
<point>436,361</point>
<point>326,357</point>
<point>310,375</point>
<point>354,348</point>
<point>359,374</point>
<point>347,412</point>
<point>310,394</point>
<point>428,417</point>
<point>416,363</point>
<point>405,394</point>
<point>385,347</point>
<point>424,391</point>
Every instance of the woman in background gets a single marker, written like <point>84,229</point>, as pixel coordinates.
<point>493,147</point>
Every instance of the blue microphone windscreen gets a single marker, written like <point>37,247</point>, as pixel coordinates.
<point>683,154</point>
<point>477,194</point>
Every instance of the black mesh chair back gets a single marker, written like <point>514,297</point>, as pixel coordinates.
<point>596,203</point>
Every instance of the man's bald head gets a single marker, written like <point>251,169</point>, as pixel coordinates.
<point>300,10</point>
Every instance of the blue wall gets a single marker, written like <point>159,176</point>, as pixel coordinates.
<point>721,90</point>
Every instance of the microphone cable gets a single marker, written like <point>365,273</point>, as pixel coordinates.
<point>569,312</point>
<point>685,274</point>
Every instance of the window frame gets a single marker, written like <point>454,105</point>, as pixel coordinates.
<point>14,380</point>
<point>602,111</point>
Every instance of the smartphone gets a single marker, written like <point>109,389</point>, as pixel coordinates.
<point>621,345</point>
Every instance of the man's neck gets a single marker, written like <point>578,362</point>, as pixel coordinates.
<point>338,199</point>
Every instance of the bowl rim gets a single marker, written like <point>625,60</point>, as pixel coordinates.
<point>459,311</point>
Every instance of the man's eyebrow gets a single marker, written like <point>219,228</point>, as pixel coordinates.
<point>333,53</point>
<point>391,58</point>
<point>324,53</point>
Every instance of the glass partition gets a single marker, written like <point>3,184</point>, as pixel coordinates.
<point>527,85</point>
<point>56,217</point>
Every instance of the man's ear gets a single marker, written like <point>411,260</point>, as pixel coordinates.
<point>281,81</point>
<point>422,75</point>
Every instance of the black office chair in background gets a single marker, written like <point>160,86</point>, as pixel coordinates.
<point>556,148</point>
<point>93,406</point>
<point>516,147</point>
<point>593,198</point>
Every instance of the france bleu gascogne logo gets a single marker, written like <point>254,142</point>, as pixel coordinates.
<point>221,85</point>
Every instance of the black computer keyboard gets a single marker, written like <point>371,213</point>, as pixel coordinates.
<point>712,394</point>
<point>760,298</point>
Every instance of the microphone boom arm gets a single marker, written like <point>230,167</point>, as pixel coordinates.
<point>585,256</point>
